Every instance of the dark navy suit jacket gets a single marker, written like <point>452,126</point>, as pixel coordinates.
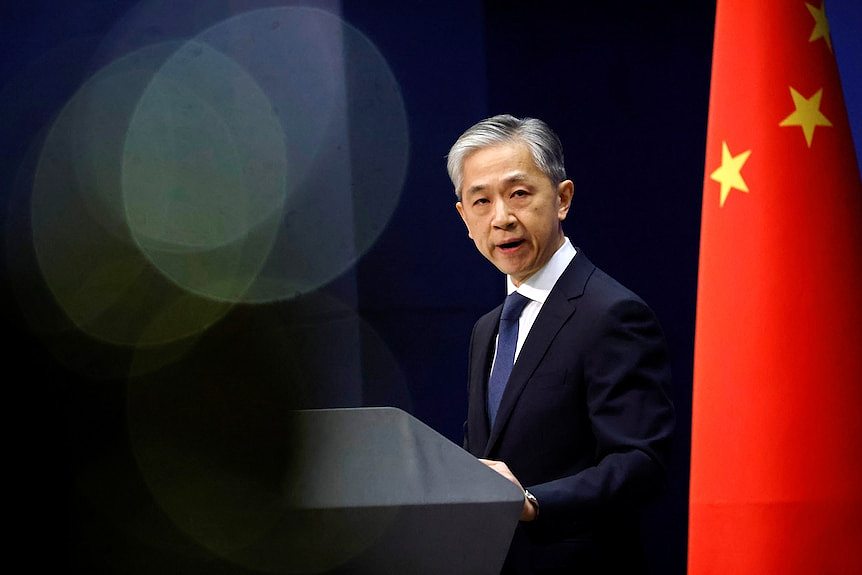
<point>584,423</point>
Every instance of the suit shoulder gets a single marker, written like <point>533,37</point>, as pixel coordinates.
<point>488,318</point>
<point>601,288</point>
<point>607,303</point>
<point>486,324</point>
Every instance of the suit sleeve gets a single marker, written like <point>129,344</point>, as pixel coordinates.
<point>626,377</point>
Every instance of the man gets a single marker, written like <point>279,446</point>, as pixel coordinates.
<point>583,418</point>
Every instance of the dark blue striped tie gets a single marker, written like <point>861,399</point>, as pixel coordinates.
<point>507,340</point>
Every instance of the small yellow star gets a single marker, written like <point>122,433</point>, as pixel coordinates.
<point>728,174</point>
<point>821,24</point>
<point>807,114</point>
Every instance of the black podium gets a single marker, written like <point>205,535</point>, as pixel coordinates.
<point>375,491</point>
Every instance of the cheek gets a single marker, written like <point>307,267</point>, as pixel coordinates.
<point>475,226</point>
<point>474,232</point>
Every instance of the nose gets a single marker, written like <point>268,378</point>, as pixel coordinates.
<point>503,217</point>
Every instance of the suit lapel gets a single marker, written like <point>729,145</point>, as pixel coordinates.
<point>480,365</point>
<point>556,311</point>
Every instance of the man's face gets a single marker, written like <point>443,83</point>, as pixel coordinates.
<point>511,209</point>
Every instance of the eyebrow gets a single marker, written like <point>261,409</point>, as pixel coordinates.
<point>516,178</point>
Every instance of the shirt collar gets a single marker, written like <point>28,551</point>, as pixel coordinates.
<point>539,285</point>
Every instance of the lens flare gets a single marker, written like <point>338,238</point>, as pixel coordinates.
<point>213,441</point>
<point>205,195</point>
<point>85,252</point>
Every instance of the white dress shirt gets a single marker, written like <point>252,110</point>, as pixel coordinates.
<point>537,287</point>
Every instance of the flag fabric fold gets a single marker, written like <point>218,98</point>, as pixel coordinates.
<point>776,463</point>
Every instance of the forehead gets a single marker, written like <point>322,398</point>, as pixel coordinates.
<point>502,162</point>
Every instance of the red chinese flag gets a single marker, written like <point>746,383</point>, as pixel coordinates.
<point>776,464</point>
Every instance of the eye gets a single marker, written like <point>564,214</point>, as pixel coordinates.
<point>480,201</point>
<point>520,193</point>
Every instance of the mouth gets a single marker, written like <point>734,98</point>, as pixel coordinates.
<point>510,246</point>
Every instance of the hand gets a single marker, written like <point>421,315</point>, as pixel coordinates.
<point>528,513</point>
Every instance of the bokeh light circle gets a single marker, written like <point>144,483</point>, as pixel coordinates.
<point>204,196</point>
<point>215,445</point>
<point>203,173</point>
<point>204,160</point>
<point>86,256</point>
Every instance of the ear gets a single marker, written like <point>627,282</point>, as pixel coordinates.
<point>460,207</point>
<point>565,191</point>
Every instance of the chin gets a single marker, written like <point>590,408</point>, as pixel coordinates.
<point>515,274</point>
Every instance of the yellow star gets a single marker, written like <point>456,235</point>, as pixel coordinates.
<point>807,115</point>
<point>728,174</point>
<point>821,24</point>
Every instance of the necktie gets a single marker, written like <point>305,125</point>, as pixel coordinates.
<point>507,340</point>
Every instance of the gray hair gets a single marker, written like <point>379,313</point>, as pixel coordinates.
<point>543,143</point>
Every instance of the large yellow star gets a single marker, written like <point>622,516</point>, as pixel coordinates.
<point>821,24</point>
<point>729,173</point>
<point>807,114</point>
